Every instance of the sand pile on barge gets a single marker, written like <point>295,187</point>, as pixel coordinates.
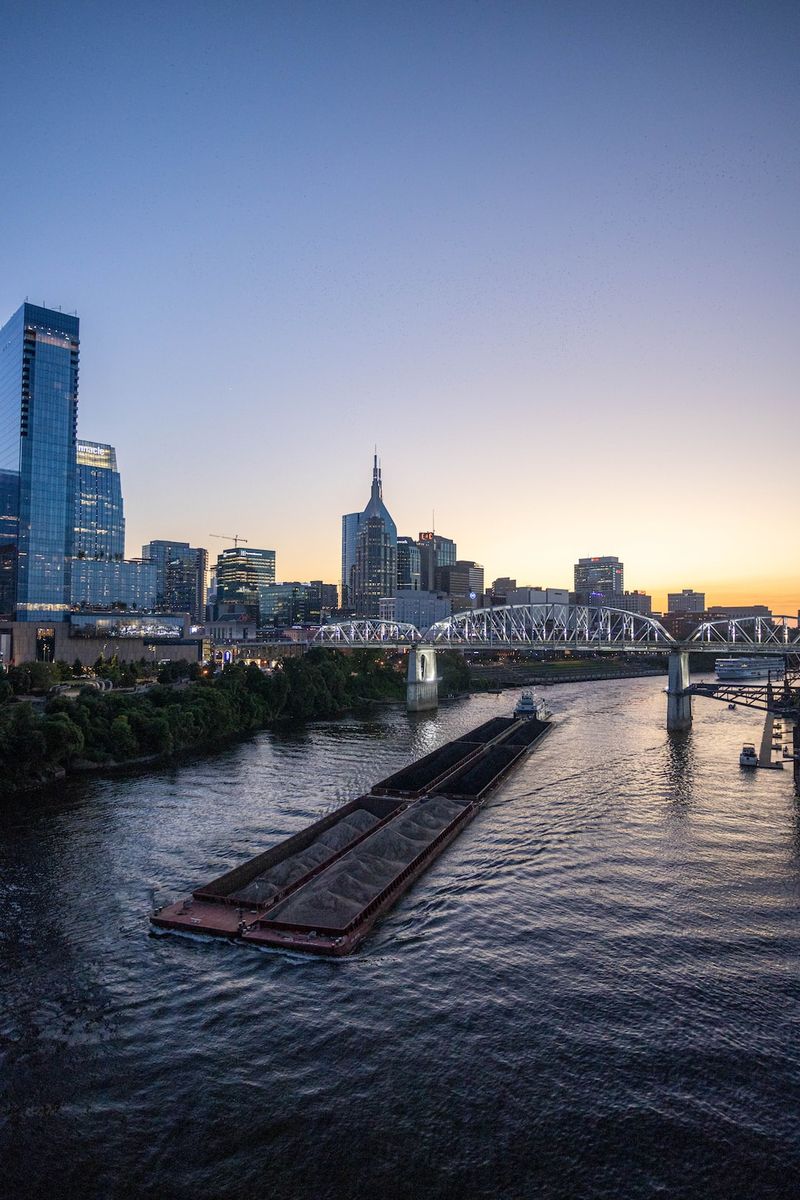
<point>346,888</point>
<point>279,876</point>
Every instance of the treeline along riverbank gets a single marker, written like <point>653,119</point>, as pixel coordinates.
<point>96,730</point>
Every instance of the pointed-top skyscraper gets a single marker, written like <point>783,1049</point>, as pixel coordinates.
<point>374,572</point>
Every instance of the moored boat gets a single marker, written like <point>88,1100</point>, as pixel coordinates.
<point>748,668</point>
<point>748,757</point>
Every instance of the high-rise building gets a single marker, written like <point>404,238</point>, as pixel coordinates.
<point>9,533</point>
<point>322,600</point>
<point>598,580</point>
<point>39,351</point>
<point>243,575</point>
<point>686,601</point>
<point>99,514</point>
<point>436,552</point>
<point>463,583</point>
<point>502,588</point>
<point>375,571</point>
<point>181,573</point>
<point>110,583</point>
<point>350,524</point>
<point>635,602</point>
<point>409,565</point>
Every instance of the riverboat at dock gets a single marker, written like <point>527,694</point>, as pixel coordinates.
<point>322,889</point>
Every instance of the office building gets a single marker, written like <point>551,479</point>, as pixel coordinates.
<point>181,573</point>
<point>734,612</point>
<point>323,600</point>
<point>99,514</point>
<point>9,532</point>
<point>686,601</point>
<point>39,352</point>
<point>350,526</point>
<point>409,565</point>
<point>110,583</point>
<point>375,572</point>
<point>463,583</point>
<point>286,604</point>
<point>502,588</point>
<point>436,552</point>
<point>599,580</point>
<point>538,595</point>
<point>414,607</point>
<point>635,602</point>
<point>243,575</point>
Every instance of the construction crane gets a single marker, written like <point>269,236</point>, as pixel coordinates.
<point>229,537</point>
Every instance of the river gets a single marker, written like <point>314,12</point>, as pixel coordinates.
<point>595,992</point>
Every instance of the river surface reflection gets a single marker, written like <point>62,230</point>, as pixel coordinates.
<point>593,993</point>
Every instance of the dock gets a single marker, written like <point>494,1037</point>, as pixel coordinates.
<point>321,890</point>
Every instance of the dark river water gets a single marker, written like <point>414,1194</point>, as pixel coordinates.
<point>595,992</point>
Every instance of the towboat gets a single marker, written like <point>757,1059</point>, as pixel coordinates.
<point>748,757</point>
<point>529,705</point>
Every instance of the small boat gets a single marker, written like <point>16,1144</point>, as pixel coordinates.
<point>748,757</point>
<point>529,706</point>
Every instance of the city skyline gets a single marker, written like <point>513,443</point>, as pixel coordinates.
<point>523,250</point>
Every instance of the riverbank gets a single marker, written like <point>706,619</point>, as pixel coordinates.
<point>491,677</point>
<point>112,731</point>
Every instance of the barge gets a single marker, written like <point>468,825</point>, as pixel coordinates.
<point>322,889</point>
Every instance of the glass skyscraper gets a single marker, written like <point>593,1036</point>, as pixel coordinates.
<point>99,514</point>
<point>375,572</point>
<point>599,580</point>
<point>39,351</point>
<point>9,533</point>
<point>243,577</point>
<point>350,524</point>
<point>180,576</point>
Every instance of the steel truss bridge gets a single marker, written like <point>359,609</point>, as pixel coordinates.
<point>567,627</point>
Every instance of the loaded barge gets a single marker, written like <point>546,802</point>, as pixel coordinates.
<point>321,890</point>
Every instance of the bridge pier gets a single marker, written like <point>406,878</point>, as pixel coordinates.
<point>422,684</point>
<point>679,701</point>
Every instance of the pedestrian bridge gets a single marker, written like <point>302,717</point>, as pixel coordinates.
<point>562,627</point>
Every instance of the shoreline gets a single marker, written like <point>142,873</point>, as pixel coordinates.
<point>57,777</point>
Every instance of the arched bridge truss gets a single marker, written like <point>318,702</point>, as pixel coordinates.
<point>349,634</point>
<point>550,626</point>
<point>567,626</point>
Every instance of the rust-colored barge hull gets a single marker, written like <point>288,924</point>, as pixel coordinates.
<point>322,890</point>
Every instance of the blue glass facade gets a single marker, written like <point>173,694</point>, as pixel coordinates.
<point>39,350</point>
<point>9,534</point>
<point>99,513</point>
<point>243,578</point>
<point>181,572</point>
<point>350,526</point>
<point>104,583</point>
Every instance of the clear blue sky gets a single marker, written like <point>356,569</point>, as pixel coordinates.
<point>544,254</point>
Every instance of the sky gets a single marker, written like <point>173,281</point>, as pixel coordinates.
<point>543,254</point>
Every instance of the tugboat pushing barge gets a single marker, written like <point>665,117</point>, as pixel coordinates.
<point>322,890</point>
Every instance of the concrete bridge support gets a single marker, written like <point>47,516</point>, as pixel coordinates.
<point>422,685</point>
<point>679,702</point>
